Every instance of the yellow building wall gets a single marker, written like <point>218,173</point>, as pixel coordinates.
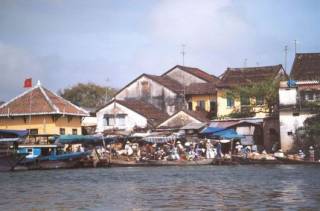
<point>44,123</point>
<point>224,110</point>
<point>206,98</point>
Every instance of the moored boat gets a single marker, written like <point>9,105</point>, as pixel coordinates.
<point>9,141</point>
<point>49,156</point>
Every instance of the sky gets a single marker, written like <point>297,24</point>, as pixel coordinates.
<point>64,42</point>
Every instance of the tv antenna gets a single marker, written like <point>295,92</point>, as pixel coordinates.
<point>183,53</point>
<point>285,56</point>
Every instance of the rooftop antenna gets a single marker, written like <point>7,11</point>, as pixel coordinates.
<point>107,97</point>
<point>285,57</point>
<point>295,46</point>
<point>245,62</point>
<point>183,53</point>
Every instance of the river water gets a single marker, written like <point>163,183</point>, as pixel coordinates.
<point>283,187</point>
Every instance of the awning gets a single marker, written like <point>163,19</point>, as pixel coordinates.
<point>221,132</point>
<point>15,133</point>
<point>160,139</point>
<point>80,139</point>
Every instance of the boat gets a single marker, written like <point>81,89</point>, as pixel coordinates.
<point>48,156</point>
<point>125,163</point>
<point>9,141</point>
<point>286,160</point>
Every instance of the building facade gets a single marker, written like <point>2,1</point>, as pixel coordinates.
<point>41,112</point>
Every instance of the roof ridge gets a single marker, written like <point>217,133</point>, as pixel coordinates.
<point>48,99</point>
<point>254,67</point>
<point>67,101</point>
<point>17,97</point>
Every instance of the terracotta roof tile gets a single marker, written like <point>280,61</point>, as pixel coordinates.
<point>236,76</point>
<point>306,66</point>
<point>37,101</point>
<point>147,110</point>
<point>201,89</point>
<point>167,82</point>
<point>196,72</point>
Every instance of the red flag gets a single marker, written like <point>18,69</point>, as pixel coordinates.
<point>28,83</point>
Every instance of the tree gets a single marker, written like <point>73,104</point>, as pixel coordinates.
<point>88,95</point>
<point>267,90</point>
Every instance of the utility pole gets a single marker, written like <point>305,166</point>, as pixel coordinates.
<point>183,53</point>
<point>285,57</point>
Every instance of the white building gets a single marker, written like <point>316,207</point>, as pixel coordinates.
<point>294,111</point>
<point>128,115</point>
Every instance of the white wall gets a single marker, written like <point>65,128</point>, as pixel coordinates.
<point>132,118</point>
<point>160,96</point>
<point>289,123</point>
<point>184,77</point>
<point>288,96</point>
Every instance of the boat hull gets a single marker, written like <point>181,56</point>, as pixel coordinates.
<point>120,163</point>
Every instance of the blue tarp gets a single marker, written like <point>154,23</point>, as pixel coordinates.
<point>223,133</point>
<point>15,133</point>
<point>80,139</point>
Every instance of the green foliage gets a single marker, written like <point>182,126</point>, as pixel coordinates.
<point>87,95</point>
<point>311,106</point>
<point>267,89</point>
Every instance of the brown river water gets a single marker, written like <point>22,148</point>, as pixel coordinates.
<point>255,187</point>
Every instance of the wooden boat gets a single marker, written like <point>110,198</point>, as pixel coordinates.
<point>48,156</point>
<point>286,160</point>
<point>9,141</point>
<point>125,163</point>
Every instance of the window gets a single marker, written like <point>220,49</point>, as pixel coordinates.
<point>245,100</point>
<point>309,96</point>
<point>33,131</point>
<point>74,132</point>
<point>62,131</point>
<point>201,105</point>
<point>230,101</point>
<point>108,120</point>
<point>260,100</point>
<point>190,106</point>
<point>213,106</point>
<point>121,119</point>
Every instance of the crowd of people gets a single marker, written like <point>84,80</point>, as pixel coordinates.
<point>172,150</point>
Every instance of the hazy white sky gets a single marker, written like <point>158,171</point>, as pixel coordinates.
<point>62,42</point>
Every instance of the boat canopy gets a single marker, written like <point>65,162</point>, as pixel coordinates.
<point>81,139</point>
<point>223,133</point>
<point>13,133</point>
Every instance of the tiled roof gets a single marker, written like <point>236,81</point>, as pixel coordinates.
<point>167,82</point>
<point>306,66</point>
<point>202,116</point>
<point>236,76</point>
<point>38,101</point>
<point>201,89</point>
<point>196,72</point>
<point>147,110</point>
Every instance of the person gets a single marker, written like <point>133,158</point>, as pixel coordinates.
<point>209,150</point>
<point>301,154</point>
<point>311,153</point>
<point>174,153</point>
<point>219,153</point>
<point>128,149</point>
<point>238,147</point>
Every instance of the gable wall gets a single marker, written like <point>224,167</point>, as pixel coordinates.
<point>132,118</point>
<point>184,77</point>
<point>156,94</point>
<point>179,120</point>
